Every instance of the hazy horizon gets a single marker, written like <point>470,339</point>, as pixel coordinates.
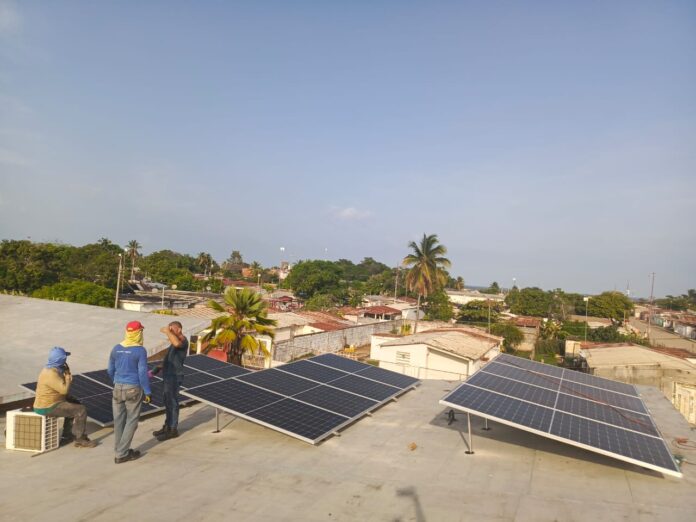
<point>551,143</point>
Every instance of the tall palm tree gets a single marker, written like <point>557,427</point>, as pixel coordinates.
<point>426,266</point>
<point>205,260</point>
<point>246,315</point>
<point>133,253</point>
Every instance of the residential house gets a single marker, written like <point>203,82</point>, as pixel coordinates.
<point>446,353</point>
<point>462,297</point>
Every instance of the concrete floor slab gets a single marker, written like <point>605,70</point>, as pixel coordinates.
<point>371,472</point>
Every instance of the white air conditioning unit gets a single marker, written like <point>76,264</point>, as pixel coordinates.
<point>28,431</point>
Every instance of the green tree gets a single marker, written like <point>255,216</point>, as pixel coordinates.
<point>133,248</point>
<point>493,289</point>
<point>311,277</point>
<point>477,312</point>
<point>205,261</point>
<point>529,301</point>
<point>512,335</point>
<point>77,292</point>
<point>320,302</point>
<point>426,266</point>
<point>245,317</point>
<point>613,305</point>
<point>438,307</point>
<point>459,283</point>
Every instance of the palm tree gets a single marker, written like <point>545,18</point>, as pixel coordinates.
<point>426,268</point>
<point>205,260</point>
<point>246,315</point>
<point>133,253</point>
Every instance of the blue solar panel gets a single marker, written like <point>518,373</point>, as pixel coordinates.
<point>338,362</point>
<point>204,363</point>
<point>635,446</point>
<point>298,419</point>
<point>365,387</point>
<point>519,390</point>
<point>315,372</point>
<point>229,371</point>
<point>198,379</point>
<point>338,401</point>
<point>234,396</point>
<point>506,408</point>
<point>387,377</point>
<point>327,392</point>
<point>575,410</point>
<point>279,382</point>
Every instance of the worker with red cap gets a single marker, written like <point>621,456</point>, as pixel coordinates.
<point>128,370</point>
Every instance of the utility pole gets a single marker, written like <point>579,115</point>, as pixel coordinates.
<point>118,278</point>
<point>396,283</point>
<point>489,315</point>
<point>650,309</point>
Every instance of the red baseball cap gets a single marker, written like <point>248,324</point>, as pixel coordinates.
<point>134,326</point>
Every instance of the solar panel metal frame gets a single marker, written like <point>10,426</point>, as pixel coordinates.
<point>195,394</point>
<point>549,435</point>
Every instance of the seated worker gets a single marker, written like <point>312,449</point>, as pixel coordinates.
<point>52,399</point>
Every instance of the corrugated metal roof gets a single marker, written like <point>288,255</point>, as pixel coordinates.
<point>464,342</point>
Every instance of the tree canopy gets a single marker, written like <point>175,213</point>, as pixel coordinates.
<point>613,305</point>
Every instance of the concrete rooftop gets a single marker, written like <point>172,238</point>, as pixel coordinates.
<point>29,328</point>
<point>403,463</point>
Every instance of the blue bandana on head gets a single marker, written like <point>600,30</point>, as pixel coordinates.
<point>56,358</point>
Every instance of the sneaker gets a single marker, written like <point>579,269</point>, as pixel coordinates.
<point>85,442</point>
<point>131,455</point>
<point>160,432</point>
<point>171,433</point>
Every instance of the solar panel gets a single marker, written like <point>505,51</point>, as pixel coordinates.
<point>228,371</point>
<point>315,372</point>
<point>585,411</point>
<point>279,382</point>
<point>298,419</point>
<point>338,362</point>
<point>204,363</point>
<point>308,399</point>
<point>198,379</point>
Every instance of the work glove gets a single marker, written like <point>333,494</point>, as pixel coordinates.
<point>147,399</point>
<point>156,370</point>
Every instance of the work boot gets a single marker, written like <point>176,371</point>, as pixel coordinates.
<point>131,455</point>
<point>160,431</point>
<point>85,442</point>
<point>66,439</point>
<point>170,433</point>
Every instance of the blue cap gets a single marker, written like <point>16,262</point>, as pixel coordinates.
<point>57,356</point>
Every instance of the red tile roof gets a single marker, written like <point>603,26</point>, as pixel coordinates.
<point>328,326</point>
<point>381,310</point>
<point>527,322</point>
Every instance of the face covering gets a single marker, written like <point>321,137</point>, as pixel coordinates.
<point>133,339</point>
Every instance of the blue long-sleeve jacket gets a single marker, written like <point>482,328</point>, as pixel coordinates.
<point>128,365</point>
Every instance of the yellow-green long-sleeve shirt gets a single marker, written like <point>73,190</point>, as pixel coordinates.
<point>51,388</point>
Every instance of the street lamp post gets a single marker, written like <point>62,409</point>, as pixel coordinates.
<point>587,302</point>
<point>118,278</point>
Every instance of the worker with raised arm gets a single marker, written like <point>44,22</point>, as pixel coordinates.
<point>128,370</point>
<point>172,369</point>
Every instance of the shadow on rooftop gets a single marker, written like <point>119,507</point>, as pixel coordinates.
<point>410,492</point>
<point>509,435</point>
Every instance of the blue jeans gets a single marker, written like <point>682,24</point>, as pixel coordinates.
<point>172,383</point>
<point>126,402</point>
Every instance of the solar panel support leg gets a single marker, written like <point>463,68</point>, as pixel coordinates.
<point>485,424</point>
<point>470,451</point>
<point>217,421</point>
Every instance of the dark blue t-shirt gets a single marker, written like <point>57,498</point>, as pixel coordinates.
<point>174,360</point>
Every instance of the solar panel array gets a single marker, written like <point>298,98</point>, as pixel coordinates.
<point>309,399</point>
<point>593,413</point>
<point>95,389</point>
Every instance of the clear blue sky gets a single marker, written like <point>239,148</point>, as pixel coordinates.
<point>553,142</point>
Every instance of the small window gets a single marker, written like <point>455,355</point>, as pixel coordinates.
<point>403,357</point>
